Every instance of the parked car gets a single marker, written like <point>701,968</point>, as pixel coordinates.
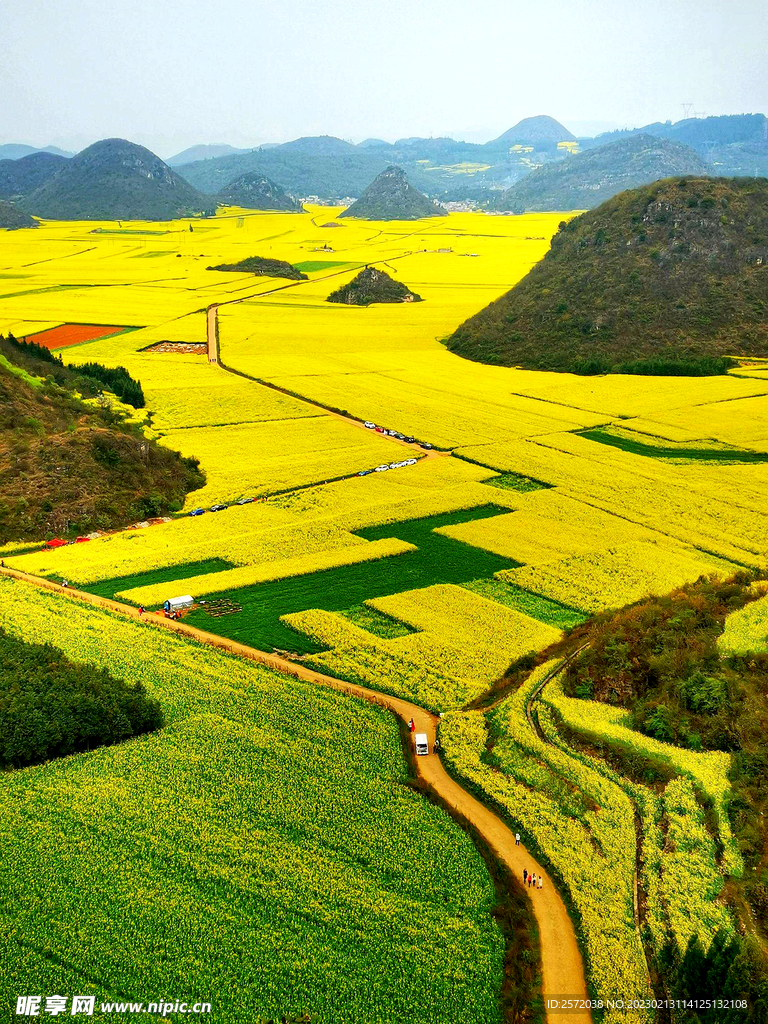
<point>410,440</point>
<point>411,462</point>
<point>427,447</point>
<point>364,472</point>
<point>218,508</point>
<point>245,501</point>
<point>395,465</point>
<point>380,430</point>
<point>392,433</point>
<point>400,437</point>
<point>421,743</point>
<point>371,426</point>
<point>197,512</point>
<point>381,469</point>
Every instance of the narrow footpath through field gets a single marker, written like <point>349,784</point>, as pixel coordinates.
<point>214,355</point>
<point>562,965</point>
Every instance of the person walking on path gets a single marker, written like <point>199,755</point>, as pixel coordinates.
<point>141,609</point>
<point>525,875</point>
<point>541,886</point>
<point>411,725</point>
<point>517,838</point>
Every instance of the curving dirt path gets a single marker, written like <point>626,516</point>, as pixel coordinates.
<point>562,965</point>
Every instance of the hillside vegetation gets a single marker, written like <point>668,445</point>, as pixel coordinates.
<point>256,191</point>
<point>116,180</point>
<point>263,265</point>
<point>67,468</point>
<point>372,285</point>
<point>89,379</point>
<point>585,180</point>
<point>732,143</point>
<point>20,177</point>
<point>12,217</point>
<point>666,278</point>
<point>663,660</point>
<point>390,196</point>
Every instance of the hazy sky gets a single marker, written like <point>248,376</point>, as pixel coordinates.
<point>170,73</point>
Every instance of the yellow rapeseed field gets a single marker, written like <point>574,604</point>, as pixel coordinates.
<point>560,486</point>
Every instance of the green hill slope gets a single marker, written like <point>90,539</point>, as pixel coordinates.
<point>585,180</point>
<point>255,191</point>
<point>390,196</point>
<point>672,273</point>
<point>735,144</point>
<point>532,131</point>
<point>116,180</point>
<point>12,217</point>
<point>20,177</point>
<point>67,468</point>
<point>372,285</point>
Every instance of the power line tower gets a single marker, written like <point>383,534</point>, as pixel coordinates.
<point>687,108</point>
<point>700,113</point>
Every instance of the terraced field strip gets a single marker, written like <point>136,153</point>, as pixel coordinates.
<point>562,965</point>
<point>636,894</point>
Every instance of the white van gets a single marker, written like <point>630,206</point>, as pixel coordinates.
<point>421,743</point>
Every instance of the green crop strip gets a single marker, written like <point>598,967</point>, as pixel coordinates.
<point>534,605</point>
<point>515,482</point>
<point>437,560</point>
<point>168,574</point>
<point>309,266</point>
<point>628,444</point>
<point>376,622</point>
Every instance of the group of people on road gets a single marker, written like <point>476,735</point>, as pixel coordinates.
<point>531,880</point>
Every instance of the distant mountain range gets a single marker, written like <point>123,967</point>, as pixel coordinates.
<point>731,144</point>
<point>332,168</point>
<point>16,150</point>
<point>537,164</point>
<point>206,152</point>
<point>588,179</point>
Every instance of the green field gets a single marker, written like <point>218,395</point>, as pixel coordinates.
<point>108,588</point>
<point>262,851</point>
<point>437,560</point>
<point>310,266</point>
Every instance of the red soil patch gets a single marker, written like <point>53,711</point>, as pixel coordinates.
<point>72,334</point>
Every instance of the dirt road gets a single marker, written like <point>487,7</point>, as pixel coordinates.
<point>562,966</point>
